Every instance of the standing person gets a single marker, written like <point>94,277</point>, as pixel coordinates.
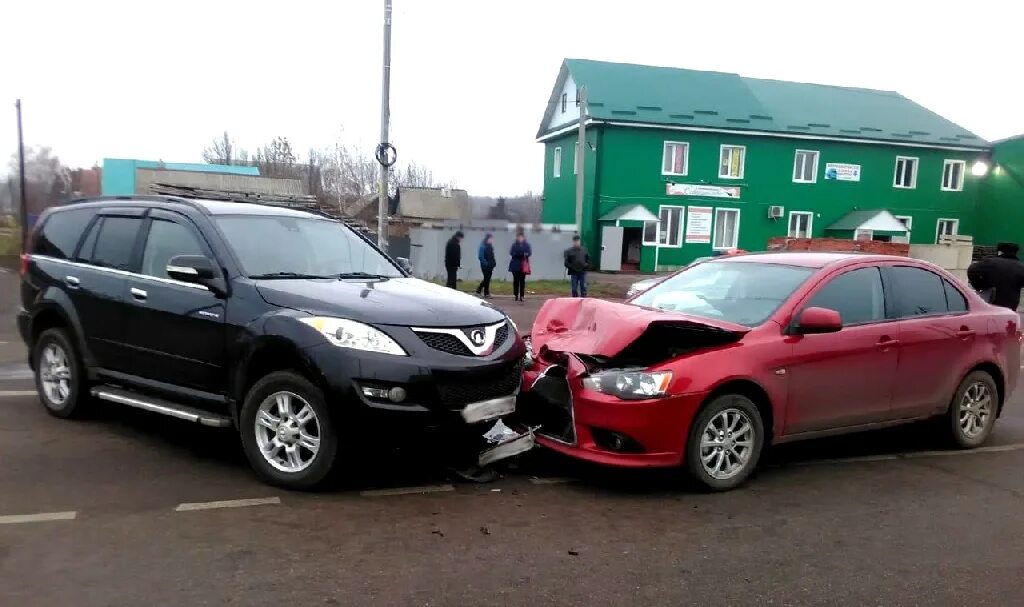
<point>999,278</point>
<point>486,256</point>
<point>577,261</point>
<point>453,258</point>
<point>519,265</point>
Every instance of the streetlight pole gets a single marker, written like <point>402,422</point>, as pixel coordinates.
<point>385,115</point>
<point>21,181</point>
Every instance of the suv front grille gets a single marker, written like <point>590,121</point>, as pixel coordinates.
<point>445,343</point>
<point>458,390</point>
<point>450,344</point>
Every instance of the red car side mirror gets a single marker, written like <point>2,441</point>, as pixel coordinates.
<point>819,320</point>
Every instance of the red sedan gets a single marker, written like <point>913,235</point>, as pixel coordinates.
<point>729,355</point>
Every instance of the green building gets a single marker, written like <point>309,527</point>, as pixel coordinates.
<point>681,163</point>
<point>1000,215</point>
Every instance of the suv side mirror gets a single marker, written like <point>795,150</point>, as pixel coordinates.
<point>190,268</point>
<point>819,320</point>
<point>403,263</point>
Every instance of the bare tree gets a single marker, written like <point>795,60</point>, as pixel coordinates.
<point>277,159</point>
<point>47,180</point>
<point>224,151</point>
<point>415,176</point>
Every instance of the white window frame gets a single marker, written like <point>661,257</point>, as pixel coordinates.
<point>576,159</point>
<point>963,171</point>
<point>721,156</point>
<point>678,228</point>
<point>814,172</point>
<point>896,172</point>
<point>910,227</point>
<point>736,233</point>
<point>858,232</point>
<point>686,157</point>
<point>810,223</point>
<point>643,238</point>
<point>556,170</point>
<point>956,226</point>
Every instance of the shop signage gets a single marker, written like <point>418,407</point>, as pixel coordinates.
<point>698,225</point>
<point>697,189</point>
<point>839,171</point>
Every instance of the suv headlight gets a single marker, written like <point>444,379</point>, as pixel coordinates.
<point>630,385</point>
<point>355,335</point>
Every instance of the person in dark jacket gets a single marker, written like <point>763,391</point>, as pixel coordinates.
<point>486,256</point>
<point>519,265</point>
<point>577,261</point>
<point>999,278</point>
<point>453,258</point>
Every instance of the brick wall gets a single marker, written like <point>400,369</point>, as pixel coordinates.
<point>839,245</point>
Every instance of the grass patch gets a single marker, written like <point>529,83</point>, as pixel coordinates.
<point>541,287</point>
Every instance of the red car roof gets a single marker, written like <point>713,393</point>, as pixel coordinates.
<point>808,259</point>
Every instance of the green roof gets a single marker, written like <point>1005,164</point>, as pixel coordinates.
<point>624,92</point>
<point>879,220</point>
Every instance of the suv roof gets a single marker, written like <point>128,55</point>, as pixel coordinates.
<point>209,207</point>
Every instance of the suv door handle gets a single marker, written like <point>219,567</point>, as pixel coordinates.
<point>72,282</point>
<point>139,294</point>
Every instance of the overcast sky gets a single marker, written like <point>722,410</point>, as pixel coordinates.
<point>470,78</point>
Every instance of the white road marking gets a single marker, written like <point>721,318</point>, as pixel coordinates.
<point>15,393</point>
<point>550,480</point>
<point>40,517</point>
<point>256,501</point>
<point>406,490</point>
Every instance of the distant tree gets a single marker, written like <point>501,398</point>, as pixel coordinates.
<point>47,180</point>
<point>224,151</point>
<point>277,159</point>
<point>415,176</point>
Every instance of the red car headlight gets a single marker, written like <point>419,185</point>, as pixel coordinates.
<point>630,385</point>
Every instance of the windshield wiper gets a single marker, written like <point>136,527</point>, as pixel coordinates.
<point>271,275</point>
<point>344,275</point>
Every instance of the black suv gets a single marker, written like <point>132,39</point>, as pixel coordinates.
<point>288,325</point>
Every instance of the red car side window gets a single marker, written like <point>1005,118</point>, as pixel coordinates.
<point>857,295</point>
<point>918,292</point>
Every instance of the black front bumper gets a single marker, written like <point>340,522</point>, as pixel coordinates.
<point>438,386</point>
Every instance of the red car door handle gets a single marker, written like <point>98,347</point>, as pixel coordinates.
<point>964,333</point>
<point>886,342</point>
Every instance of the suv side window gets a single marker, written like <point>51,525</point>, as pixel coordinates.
<point>918,292</point>
<point>857,295</point>
<point>167,239</point>
<point>115,242</point>
<point>61,232</point>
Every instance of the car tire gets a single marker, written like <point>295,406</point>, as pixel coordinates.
<point>59,375</point>
<point>733,422</point>
<point>972,414</point>
<point>287,432</point>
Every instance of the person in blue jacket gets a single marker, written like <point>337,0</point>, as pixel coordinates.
<point>486,256</point>
<point>519,265</point>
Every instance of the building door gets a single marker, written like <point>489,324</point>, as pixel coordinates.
<point>611,249</point>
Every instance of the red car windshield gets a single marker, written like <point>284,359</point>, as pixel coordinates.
<point>745,293</point>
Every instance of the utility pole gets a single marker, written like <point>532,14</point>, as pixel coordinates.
<point>385,117</point>
<point>21,181</point>
<point>581,150</point>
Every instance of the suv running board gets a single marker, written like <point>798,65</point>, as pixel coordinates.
<point>163,407</point>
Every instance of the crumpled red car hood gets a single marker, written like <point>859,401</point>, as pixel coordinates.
<point>595,327</point>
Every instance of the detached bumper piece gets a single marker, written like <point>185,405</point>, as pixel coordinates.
<point>507,443</point>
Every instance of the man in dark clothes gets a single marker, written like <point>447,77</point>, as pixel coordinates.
<point>453,258</point>
<point>576,262</point>
<point>486,256</point>
<point>1000,278</point>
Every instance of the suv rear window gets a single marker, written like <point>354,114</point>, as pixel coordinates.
<point>116,241</point>
<point>61,232</point>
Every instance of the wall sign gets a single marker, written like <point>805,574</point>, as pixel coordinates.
<point>698,225</point>
<point>695,189</point>
<point>839,171</point>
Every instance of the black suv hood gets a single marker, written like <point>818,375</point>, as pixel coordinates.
<point>396,301</point>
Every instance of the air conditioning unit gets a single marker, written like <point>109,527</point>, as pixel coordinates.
<point>776,212</point>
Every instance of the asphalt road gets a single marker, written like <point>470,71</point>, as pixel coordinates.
<point>127,508</point>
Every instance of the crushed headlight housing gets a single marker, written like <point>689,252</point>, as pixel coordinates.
<point>630,385</point>
<point>528,358</point>
<point>355,335</point>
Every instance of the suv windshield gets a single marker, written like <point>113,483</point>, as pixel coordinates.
<point>271,246</point>
<point>744,293</point>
